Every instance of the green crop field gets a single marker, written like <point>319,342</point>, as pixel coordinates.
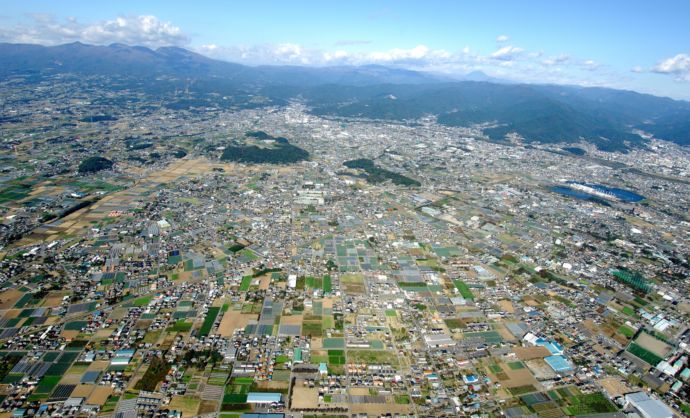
<point>626,331</point>
<point>371,357</point>
<point>47,384</point>
<point>208,321</point>
<point>327,284</point>
<point>644,354</point>
<point>246,282</point>
<point>591,403</point>
<point>464,290</point>
<point>521,390</point>
<point>181,326</point>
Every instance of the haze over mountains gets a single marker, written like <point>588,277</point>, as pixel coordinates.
<point>544,113</point>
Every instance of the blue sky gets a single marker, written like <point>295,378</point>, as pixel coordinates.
<point>636,45</point>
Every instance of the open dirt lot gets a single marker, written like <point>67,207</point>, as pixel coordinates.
<point>53,299</point>
<point>291,320</point>
<point>82,391</point>
<point>99,395</point>
<point>506,305</point>
<point>540,369</point>
<point>188,405</point>
<point>504,333</point>
<point>69,334</point>
<point>615,386</point>
<point>9,297</point>
<point>519,377</point>
<point>264,282</point>
<point>650,343</point>
<point>98,365</point>
<point>12,313</point>
<point>304,397</point>
<point>233,320</point>
<point>529,353</point>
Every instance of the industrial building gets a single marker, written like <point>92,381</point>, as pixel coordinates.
<point>647,407</point>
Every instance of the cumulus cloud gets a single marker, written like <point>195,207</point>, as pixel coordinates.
<point>416,54</point>
<point>143,30</point>
<point>678,66</point>
<point>288,53</point>
<point>276,54</point>
<point>506,53</point>
<point>508,61</point>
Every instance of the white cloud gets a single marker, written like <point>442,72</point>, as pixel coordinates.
<point>508,61</point>
<point>289,53</point>
<point>336,56</point>
<point>637,69</point>
<point>590,65</point>
<point>398,55</point>
<point>144,30</point>
<point>557,60</point>
<point>678,66</point>
<point>263,54</point>
<point>506,53</point>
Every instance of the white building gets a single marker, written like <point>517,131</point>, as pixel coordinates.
<point>438,340</point>
<point>647,406</point>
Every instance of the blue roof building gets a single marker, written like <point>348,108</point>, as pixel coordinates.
<point>470,378</point>
<point>264,397</point>
<point>559,363</point>
<point>552,346</point>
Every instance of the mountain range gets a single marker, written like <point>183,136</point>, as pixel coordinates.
<point>610,119</point>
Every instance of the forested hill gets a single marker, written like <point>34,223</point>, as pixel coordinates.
<point>609,118</point>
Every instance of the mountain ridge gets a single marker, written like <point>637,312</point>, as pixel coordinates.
<point>538,112</point>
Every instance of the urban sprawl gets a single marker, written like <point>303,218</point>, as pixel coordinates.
<point>150,268</point>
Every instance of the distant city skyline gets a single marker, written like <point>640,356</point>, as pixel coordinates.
<point>632,45</point>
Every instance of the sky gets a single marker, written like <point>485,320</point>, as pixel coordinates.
<point>636,45</point>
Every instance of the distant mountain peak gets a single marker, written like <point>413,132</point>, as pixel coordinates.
<point>478,75</point>
<point>545,113</point>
